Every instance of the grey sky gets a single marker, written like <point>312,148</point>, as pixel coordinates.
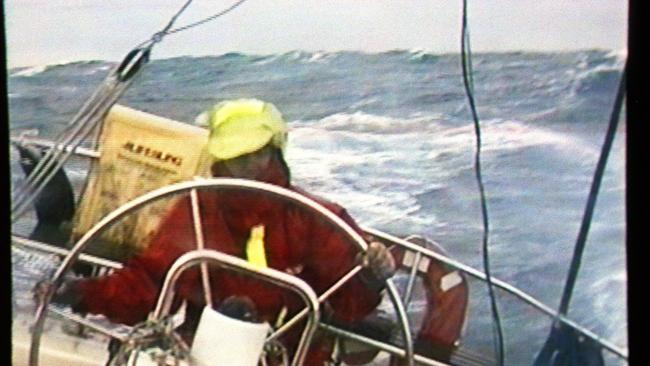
<point>52,31</point>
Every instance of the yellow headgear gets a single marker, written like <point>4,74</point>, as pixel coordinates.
<point>242,126</point>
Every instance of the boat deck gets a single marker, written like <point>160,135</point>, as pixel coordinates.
<point>57,347</point>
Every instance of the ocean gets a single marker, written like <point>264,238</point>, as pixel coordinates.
<point>389,136</point>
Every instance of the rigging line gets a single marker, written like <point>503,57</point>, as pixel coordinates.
<point>46,175</point>
<point>78,127</point>
<point>175,17</point>
<point>70,130</point>
<point>106,90</point>
<point>208,19</point>
<point>593,195</point>
<point>124,72</point>
<point>114,84</point>
<point>167,30</point>
<point>49,164</point>
<point>111,88</point>
<point>157,37</point>
<point>86,120</point>
<point>469,89</point>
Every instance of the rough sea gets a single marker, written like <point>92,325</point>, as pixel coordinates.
<point>390,137</point>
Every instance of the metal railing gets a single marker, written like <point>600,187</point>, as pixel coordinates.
<point>504,286</point>
<point>198,257</point>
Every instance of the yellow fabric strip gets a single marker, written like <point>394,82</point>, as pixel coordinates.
<point>255,247</point>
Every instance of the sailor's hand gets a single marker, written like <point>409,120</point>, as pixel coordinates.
<point>66,294</point>
<point>379,263</point>
<point>40,290</point>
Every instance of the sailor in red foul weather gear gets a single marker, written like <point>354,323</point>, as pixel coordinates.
<point>247,137</point>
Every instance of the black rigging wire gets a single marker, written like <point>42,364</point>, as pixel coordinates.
<point>167,30</point>
<point>555,343</point>
<point>593,195</point>
<point>210,18</point>
<point>466,60</point>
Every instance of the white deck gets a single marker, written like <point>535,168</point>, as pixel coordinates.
<point>57,347</point>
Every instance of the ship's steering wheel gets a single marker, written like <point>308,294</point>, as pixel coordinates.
<point>192,187</point>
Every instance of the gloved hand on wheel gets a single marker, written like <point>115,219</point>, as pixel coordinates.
<point>378,263</point>
<point>66,294</point>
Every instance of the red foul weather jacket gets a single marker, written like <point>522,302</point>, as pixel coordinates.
<point>295,240</point>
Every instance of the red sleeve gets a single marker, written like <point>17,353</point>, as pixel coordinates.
<point>129,294</point>
<point>333,257</point>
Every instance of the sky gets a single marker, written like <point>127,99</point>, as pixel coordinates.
<point>41,32</point>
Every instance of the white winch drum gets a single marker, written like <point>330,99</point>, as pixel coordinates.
<point>224,341</point>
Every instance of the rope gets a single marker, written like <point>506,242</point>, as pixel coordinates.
<point>208,19</point>
<point>167,30</point>
<point>466,60</point>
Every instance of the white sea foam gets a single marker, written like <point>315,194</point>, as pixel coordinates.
<point>365,102</point>
<point>328,168</point>
<point>267,59</point>
<point>30,71</point>
<point>361,122</point>
<point>377,166</point>
<point>359,160</point>
<point>416,52</point>
<point>353,136</point>
<point>318,57</point>
<point>621,55</point>
<point>602,68</point>
<point>295,55</point>
<point>610,303</point>
<point>35,70</point>
<point>502,135</point>
<point>98,69</point>
<point>614,279</point>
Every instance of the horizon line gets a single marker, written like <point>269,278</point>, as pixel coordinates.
<point>621,53</point>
